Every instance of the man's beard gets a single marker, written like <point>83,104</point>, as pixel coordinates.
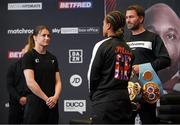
<point>132,26</point>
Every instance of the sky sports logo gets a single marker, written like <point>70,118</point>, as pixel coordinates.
<point>76,30</point>
<point>25,6</point>
<point>74,5</point>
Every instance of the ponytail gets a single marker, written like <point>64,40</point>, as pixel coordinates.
<point>30,42</point>
<point>119,32</point>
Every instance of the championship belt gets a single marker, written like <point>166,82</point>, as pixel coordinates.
<point>150,82</point>
<point>134,89</point>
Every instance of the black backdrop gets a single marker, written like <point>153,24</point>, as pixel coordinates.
<point>72,49</point>
<point>75,30</point>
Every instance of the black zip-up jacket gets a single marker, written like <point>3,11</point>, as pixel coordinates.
<point>109,70</point>
<point>16,83</point>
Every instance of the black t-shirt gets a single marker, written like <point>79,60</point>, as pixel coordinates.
<point>148,47</point>
<point>109,70</point>
<point>45,67</point>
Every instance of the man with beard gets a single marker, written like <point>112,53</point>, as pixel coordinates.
<point>147,47</point>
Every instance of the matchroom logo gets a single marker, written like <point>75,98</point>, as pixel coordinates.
<point>25,6</point>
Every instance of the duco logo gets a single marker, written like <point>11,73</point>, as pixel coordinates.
<point>75,106</point>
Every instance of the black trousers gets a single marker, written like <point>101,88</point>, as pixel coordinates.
<point>115,112</point>
<point>147,113</point>
<point>16,113</point>
<point>37,112</point>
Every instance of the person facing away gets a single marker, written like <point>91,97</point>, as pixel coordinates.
<point>109,73</point>
<point>17,90</point>
<point>43,79</point>
<point>147,47</point>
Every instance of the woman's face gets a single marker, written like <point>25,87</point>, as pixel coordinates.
<point>42,38</point>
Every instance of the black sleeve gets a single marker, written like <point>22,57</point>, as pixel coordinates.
<point>27,61</point>
<point>162,57</point>
<point>11,82</point>
<point>56,64</point>
<point>95,70</point>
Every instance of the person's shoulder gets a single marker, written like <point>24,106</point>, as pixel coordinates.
<point>51,55</point>
<point>29,55</point>
<point>103,41</point>
<point>30,52</point>
<point>151,33</point>
<point>13,66</point>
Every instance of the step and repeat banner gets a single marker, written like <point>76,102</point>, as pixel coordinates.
<point>76,25</point>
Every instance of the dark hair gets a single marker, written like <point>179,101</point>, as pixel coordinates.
<point>117,21</point>
<point>139,9</point>
<point>37,30</point>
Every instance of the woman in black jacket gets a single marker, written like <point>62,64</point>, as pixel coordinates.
<point>109,73</point>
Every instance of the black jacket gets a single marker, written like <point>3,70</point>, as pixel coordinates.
<point>16,83</point>
<point>109,70</point>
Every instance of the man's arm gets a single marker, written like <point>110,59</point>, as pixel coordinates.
<point>163,60</point>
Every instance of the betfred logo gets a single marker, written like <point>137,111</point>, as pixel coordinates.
<point>75,5</point>
<point>75,106</point>
<point>14,54</point>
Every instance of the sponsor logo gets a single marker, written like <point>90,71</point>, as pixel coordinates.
<point>56,30</point>
<point>89,30</point>
<point>141,44</point>
<point>75,5</point>
<point>69,30</point>
<point>20,31</point>
<point>14,54</point>
<point>6,105</point>
<point>62,30</point>
<point>75,56</point>
<point>36,60</point>
<point>75,106</point>
<point>25,6</point>
<point>77,30</point>
<point>75,80</point>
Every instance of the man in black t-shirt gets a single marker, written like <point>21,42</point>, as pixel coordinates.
<point>147,47</point>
